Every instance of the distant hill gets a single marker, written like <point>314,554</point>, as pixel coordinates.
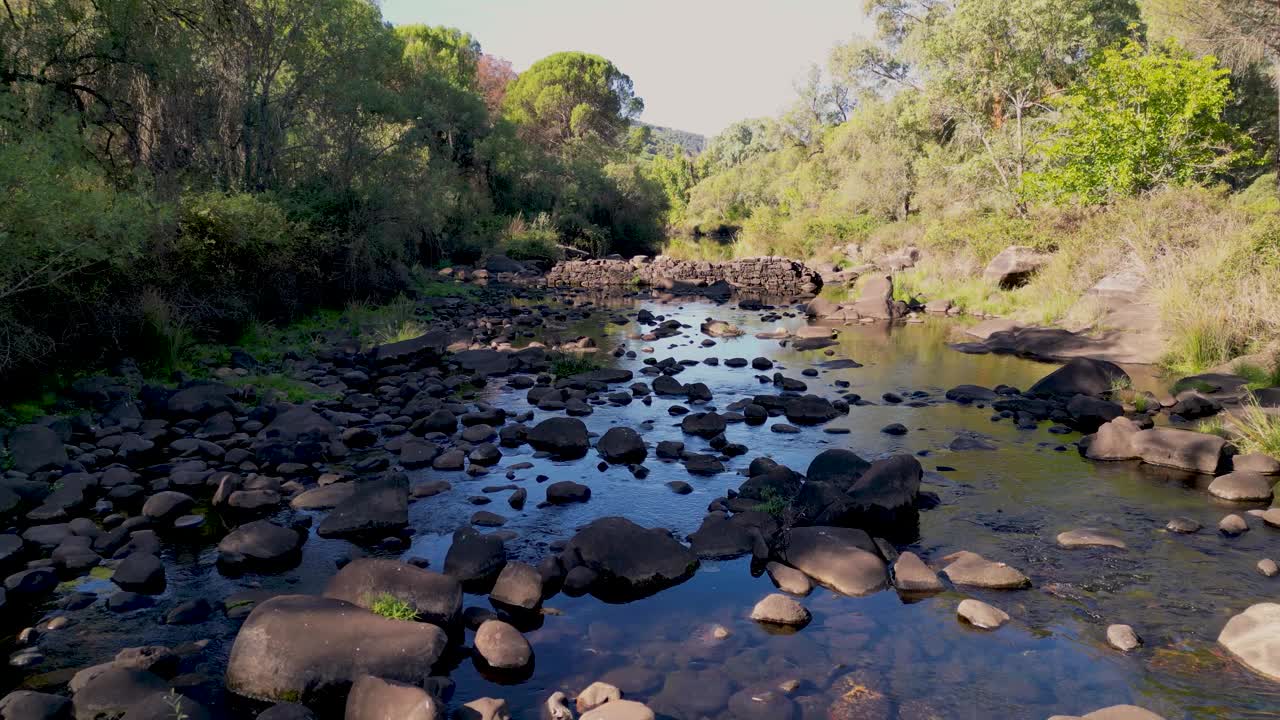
<point>664,137</point>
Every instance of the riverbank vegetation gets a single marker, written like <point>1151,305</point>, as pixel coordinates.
<point>1130,139</point>
<point>175,172</point>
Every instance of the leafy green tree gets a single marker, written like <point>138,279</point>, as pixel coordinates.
<point>442,51</point>
<point>1141,120</point>
<point>676,173</point>
<point>572,96</point>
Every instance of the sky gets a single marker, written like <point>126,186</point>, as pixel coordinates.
<point>700,65</point>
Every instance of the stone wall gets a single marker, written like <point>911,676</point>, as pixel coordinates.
<point>771,275</point>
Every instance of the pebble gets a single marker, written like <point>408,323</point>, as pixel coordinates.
<point>1268,567</point>
<point>1123,638</point>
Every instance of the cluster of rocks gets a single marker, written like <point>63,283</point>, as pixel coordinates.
<point>769,275</point>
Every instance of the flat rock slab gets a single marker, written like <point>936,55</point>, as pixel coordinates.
<point>1242,486</point>
<point>1253,637</point>
<point>1088,538</point>
<point>843,559</point>
<point>1180,449</point>
<point>311,649</point>
<point>376,507</point>
<point>967,568</point>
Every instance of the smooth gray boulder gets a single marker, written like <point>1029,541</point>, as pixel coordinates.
<point>372,698</point>
<point>1180,449</point>
<point>302,648</point>
<point>436,598</point>
<point>843,559</point>
<point>1253,638</point>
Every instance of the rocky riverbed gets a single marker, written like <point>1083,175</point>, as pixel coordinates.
<point>733,513</point>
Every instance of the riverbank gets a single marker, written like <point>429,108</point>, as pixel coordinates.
<point>1194,270</point>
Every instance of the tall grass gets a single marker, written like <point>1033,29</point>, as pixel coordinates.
<point>1256,431</point>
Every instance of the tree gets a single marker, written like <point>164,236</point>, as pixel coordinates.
<point>1243,33</point>
<point>997,62</point>
<point>1141,120</point>
<point>444,51</point>
<point>493,75</point>
<point>570,97</point>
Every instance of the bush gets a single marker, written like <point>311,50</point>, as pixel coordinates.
<point>534,242</point>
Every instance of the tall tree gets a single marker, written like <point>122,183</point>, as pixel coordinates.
<point>572,96</point>
<point>493,75</point>
<point>444,51</point>
<point>1242,33</point>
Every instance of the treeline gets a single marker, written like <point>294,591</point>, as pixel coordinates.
<point>965,126</point>
<point>179,168</point>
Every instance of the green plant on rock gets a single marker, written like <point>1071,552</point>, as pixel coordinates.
<point>1259,377</point>
<point>772,503</point>
<point>390,606</point>
<point>569,364</point>
<point>1213,426</point>
<point>1256,431</point>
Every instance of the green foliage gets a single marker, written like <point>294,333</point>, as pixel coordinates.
<point>390,606</point>
<point>1259,377</point>
<point>1256,431</point>
<point>532,241</point>
<point>1141,120</point>
<point>443,51</point>
<point>571,96</point>
<point>569,364</point>
<point>772,503</point>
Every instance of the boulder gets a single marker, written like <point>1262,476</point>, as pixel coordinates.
<point>1014,266</point>
<point>475,558</point>
<point>112,691</point>
<point>36,447</point>
<point>720,538</point>
<point>622,445</point>
<point>1241,486</point>
<point>502,646</point>
<point>372,698</point>
<point>843,559</point>
<point>260,545</point>
<point>789,579</point>
<point>1253,638</point>
<point>981,615</point>
<point>376,508</point>
<point>1081,376</point>
<point>563,437</point>
<point>876,299</point>
<point>311,649</point>
<point>809,410</point>
<point>140,572</point>
<point>837,466</point>
<point>566,492</point>
<point>519,585</point>
<point>629,561</point>
<point>619,710</point>
<point>1114,441</point>
<point>435,598</point>
<point>703,424</point>
<point>201,401</point>
<point>1180,449</point>
<point>967,568</point>
<point>1089,413</point>
<point>28,705</point>
<point>779,609</point>
<point>911,575</point>
<point>296,435</point>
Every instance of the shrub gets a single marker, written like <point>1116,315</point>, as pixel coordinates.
<point>569,364</point>
<point>536,241</point>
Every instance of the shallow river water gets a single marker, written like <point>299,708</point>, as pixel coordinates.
<point>874,657</point>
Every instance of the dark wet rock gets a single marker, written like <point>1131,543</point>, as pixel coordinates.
<point>622,445</point>
<point>775,483</point>
<point>502,646</point>
<point>666,385</point>
<point>113,691</point>
<point>564,438</point>
<point>1192,405</point>
<point>702,464</point>
<point>965,442</point>
<point>189,612</point>
<point>1090,413</point>
<point>680,487</point>
<point>966,394</point>
<point>843,559</point>
<point>670,449</point>
<point>1180,449</point>
<point>141,573</point>
<point>28,705</point>
<point>36,447</point>
<point>836,466</point>
<point>779,609</point>
<point>629,560</point>
<point>475,558</point>
<point>201,401</point>
<point>703,424</point>
<point>720,537</point>
<point>377,507</point>
<point>566,492</point>
<point>435,598</point>
<point>809,410</point>
<point>1081,376</point>
<point>260,545</point>
<point>967,568</point>
<point>296,435</point>
<point>372,698</point>
<point>449,460</point>
<point>311,649</point>
<point>881,498</point>
<point>287,711</point>
<point>126,601</point>
<point>894,429</point>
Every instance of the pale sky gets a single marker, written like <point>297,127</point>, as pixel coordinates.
<point>699,64</point>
